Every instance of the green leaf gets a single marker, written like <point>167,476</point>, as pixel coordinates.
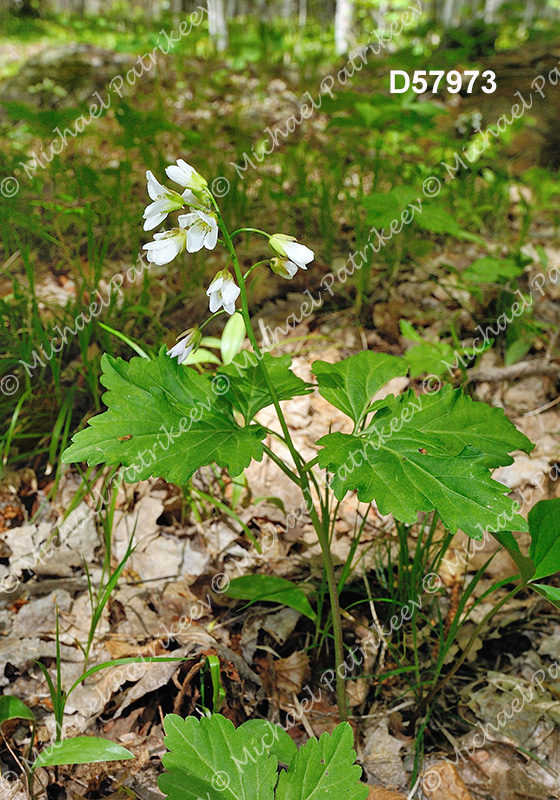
<point>81,750</point>
<point>492,270</point>
<point>324,768</point>
<point>13,708</point>
<point>409,332</point>
<point>166,420</point>
<point>384,207</point>
<point>437,220</point>
<point>427,356</point>
<point>271,589</point>
<point>218,691</point>
<point>248,392</point>
<point>552,593</point>
<point>232,338</point>
<point>426,453</point>
<point>523,563</point>
<point>209,758</point>
<point>544,527</point>
<point>517,349</point>
<point>282,746</point>
<point>351,383</point>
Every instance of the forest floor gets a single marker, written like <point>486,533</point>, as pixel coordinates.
<point>170,598</point>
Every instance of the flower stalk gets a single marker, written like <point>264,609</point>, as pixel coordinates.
<point>200,228</point>
<point>321,525</point>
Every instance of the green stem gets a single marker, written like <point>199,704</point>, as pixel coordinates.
<point>210,318</point>
<point>279,463</point>
<point>258,264</point>
<point>318,524</point>
<point>244,230</point>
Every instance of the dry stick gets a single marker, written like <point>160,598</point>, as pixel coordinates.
<point>321,527</point>
<point>520,370</point>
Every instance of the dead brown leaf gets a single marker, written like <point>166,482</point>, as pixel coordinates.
<point>375,793</point>
<point>291,672</point>
<point>442,781</point>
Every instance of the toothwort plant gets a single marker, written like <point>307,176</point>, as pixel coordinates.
<point>427,453</point>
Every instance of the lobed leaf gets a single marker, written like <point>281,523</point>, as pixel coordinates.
<point>281,743</point>
<point>209,758</point>
<point>248,391</point>
<point>166,420</point>
<point>324,768</point>
<point>427,453</point>
<point>350,384</point>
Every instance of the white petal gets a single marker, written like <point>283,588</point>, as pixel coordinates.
<point>164,255</point>
<point>187,169</point>
<point>230,292</point>
<point>207,218</point>
<point>181,174</point>
<point>155,188</point>
<point>215,286</point>
<point>215,302</point>
<point>290,268</point>
<point>157,206</point>
<point>153,220</point>
<point>298,253</point>
<point>177,349</point>
<point>185,355</point>
<point>229,308</point>
<point>189,219</point>
<point>189,197</point>
<point>164,249</point>
<point>211,239</point>
<point>195,238</point>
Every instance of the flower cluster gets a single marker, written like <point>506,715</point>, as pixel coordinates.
<point>197,229</point>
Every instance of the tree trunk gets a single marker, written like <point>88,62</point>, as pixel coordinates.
<point>217,26</point>
<point>450,13</point>
<point>286,8</point>
<point>343,21</point>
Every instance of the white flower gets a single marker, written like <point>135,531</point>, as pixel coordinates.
<point>283,267</point>
<point>223,292</point>
<point>166,246</point>
<point>185,175</point>
<point>187,343</point>
<point>202,230</point>
<point>165,200</point>
<point>287,247</point>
